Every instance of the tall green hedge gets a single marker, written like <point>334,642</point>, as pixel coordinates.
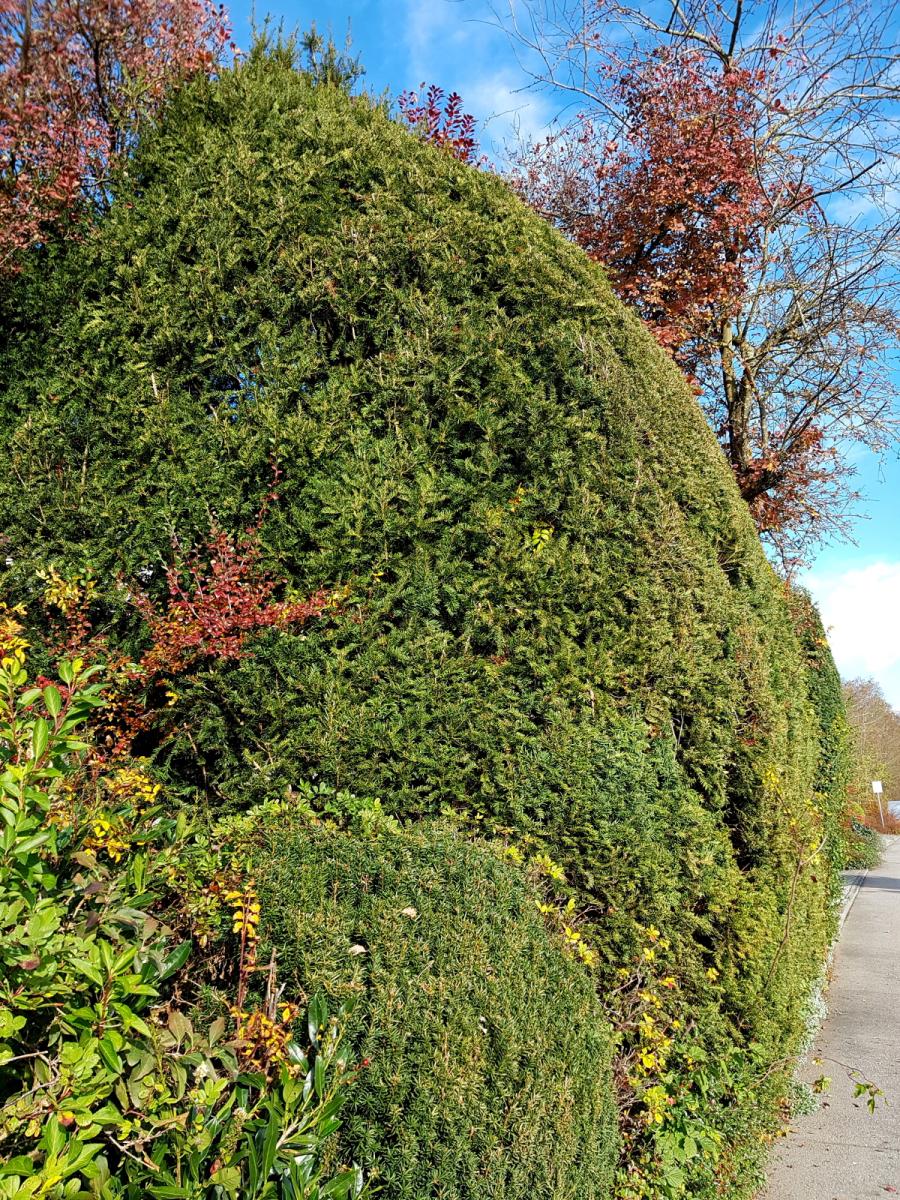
<point>555,618</point>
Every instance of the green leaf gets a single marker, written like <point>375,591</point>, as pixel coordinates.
<point>269,1146</point>
<point>53,1138</point>
<point>228,1178</point>
<point>107,1115</point>
<point>318,1014</point>
<point>125,959</point>
<point>53,700</point>
<point>175,960</point>
<point>25,847</point>
<point>20,1165</point>
<point>40,737</point>
<point>88,970</point>
<point>109,1055</point>
<point>130,1020</point>
<point>346,1184</point>
<point>319,1077</point>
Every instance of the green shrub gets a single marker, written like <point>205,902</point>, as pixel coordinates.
<point>863,847</point>
<point>552,613</point>
<point>488,1052</point>
<point>835,745</point>
<point>107,1088</point>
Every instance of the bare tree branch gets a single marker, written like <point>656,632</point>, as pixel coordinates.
<point>796,369</point>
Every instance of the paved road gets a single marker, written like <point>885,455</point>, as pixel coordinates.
<point>844,1152</point>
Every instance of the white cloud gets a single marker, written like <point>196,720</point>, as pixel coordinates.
<point>458,45</point>
<point>504,105</point>
<point>861,611</point>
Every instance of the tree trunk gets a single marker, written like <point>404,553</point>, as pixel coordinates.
<point>737,406</point>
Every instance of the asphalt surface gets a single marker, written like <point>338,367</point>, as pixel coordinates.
<point>843,1151</point>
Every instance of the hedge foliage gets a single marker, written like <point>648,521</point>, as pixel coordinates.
<point>487,1050</point>
<point>864,847</point>
<point>552,615</point>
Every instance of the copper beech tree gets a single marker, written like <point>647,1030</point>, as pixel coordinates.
<point>75,77</point>
<point>735,167</point>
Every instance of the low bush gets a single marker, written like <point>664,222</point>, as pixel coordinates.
<point>863,847</point>
<point>154,973</point>
<point>107,1088</point>
<point>487,1051</point>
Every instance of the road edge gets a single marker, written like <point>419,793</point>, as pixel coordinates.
<point>851,891</point>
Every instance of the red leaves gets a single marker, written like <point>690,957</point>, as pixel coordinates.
<point>218,598</point>
<point>674,209</point>
<point>74,77</point>
<point>216,601</point>
<point>444,125</point>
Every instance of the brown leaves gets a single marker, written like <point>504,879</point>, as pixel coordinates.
<point>674,207</point>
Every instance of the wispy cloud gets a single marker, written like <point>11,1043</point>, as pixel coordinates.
<point>435,35</point>
<point>861,611</point>
<point>505,106</point>
<point>458,45</point>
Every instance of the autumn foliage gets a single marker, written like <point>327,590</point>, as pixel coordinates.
<point>441,122</point>
<point>218,597</point>
<point>215,602</point>
<point>730,167</point>
<point>876,734</point>
<point>672,207</point>
<point>75,76</point>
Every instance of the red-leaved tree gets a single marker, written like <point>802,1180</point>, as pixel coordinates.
<point>736,167</point>
<point>75,78</point>
<point>670,203</point>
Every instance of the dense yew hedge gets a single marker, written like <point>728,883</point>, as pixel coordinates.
<point>553,615</point>
<point>486,1051</point>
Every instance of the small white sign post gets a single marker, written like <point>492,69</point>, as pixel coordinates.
<point>877,789</point>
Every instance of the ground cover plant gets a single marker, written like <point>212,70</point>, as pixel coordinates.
<point>544,621</point>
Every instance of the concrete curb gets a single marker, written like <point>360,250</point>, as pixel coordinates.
<point>851,890</point>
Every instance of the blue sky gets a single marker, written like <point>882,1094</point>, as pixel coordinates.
<point>456,44</point>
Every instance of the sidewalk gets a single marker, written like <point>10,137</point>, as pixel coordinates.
<point>844,1152</point>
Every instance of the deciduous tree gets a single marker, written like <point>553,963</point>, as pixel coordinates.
<point>736,168</point>
<point>75,76</point>
<point>876,729</point>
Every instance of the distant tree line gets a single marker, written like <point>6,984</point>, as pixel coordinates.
<point>876,729</point>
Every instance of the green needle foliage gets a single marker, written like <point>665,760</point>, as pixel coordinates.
<point>552,616</point>
<point>485,1051</point>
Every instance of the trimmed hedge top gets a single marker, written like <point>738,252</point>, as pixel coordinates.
<point>486,1050</point>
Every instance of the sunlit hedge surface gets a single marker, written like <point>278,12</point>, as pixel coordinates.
<point>551,619</point>
<point>485,1050</point>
